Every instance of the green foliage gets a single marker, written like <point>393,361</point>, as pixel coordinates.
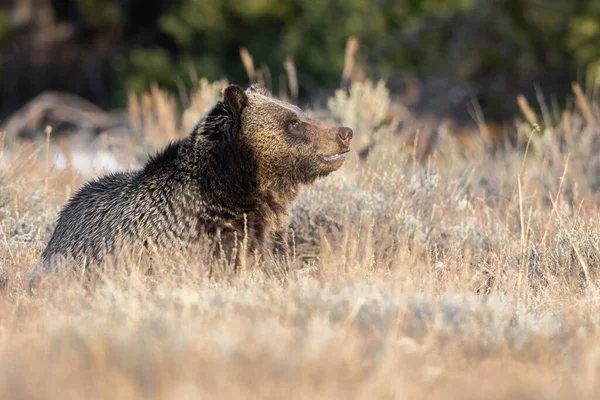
<point>464,39</point>
<point>100,13</point>
<point>584,39</point>
<point>4,26</point>
<point>209,34</point>
<point>150,65</point>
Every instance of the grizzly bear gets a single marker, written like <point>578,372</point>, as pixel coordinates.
<point>236,175</point>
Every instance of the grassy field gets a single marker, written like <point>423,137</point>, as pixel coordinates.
<point>460,273</point>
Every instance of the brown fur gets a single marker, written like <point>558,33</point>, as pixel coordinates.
<point>237,174</point>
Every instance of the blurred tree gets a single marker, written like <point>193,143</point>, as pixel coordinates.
<point>583,38</point>
<point>105,48</point>
<point>209,34</point>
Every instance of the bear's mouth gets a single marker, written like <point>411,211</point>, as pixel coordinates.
<point>334,157</point>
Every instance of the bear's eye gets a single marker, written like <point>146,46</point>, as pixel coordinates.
<point>296,128</point>
<point>295,124</point>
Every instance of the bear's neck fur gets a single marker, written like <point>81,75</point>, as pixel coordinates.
<point>226,176</point>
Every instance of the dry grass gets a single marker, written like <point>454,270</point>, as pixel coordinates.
<point>434,280</point>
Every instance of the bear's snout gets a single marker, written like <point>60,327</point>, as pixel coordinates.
<point>345,136</point>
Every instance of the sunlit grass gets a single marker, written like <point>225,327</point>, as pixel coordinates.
<point>413,277</point>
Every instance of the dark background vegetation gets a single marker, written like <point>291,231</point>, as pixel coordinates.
<point>103,49</point>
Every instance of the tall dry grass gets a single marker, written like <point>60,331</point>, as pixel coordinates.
<point>437,279</point>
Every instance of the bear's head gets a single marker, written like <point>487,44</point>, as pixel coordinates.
<point>289,147</point>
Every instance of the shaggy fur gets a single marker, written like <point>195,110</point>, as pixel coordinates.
<point>237,173</point>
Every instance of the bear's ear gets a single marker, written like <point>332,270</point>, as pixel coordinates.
<point>260,89</point>
<point>223,121</point>
<point>234,99</point>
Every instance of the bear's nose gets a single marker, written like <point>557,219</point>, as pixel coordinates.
<point>345,135</point>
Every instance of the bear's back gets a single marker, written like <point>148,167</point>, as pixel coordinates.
<point>94,218</point>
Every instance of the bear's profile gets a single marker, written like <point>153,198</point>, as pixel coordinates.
<point>236,175</point>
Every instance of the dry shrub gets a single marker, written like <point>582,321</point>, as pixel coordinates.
<point>363,108</point>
